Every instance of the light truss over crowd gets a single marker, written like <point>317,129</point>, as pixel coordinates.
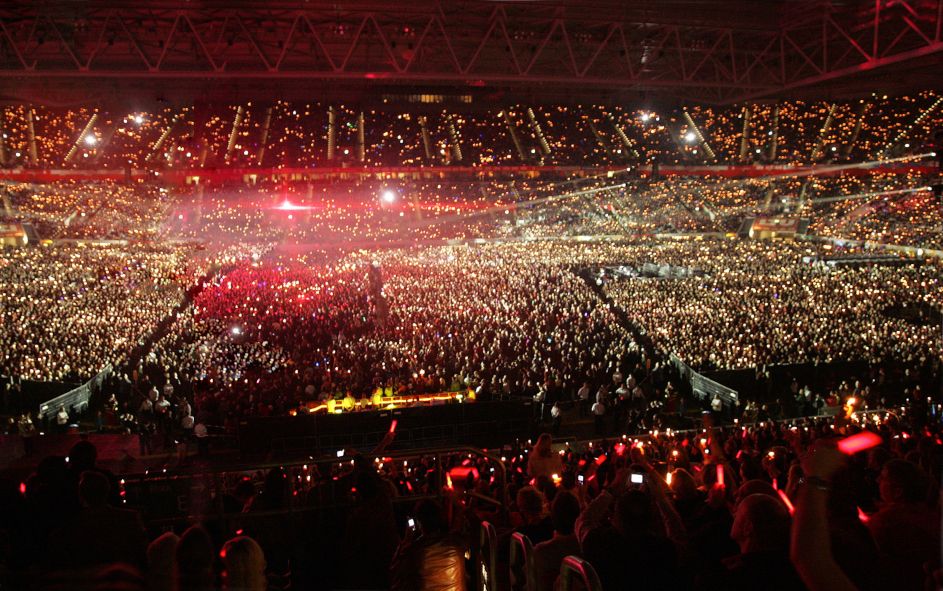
<point>718,52</point>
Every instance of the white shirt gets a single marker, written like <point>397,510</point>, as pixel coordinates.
<point>599,409</point>
<point>583,393</point>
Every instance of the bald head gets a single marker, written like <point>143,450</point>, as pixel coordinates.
<point>761,525</point>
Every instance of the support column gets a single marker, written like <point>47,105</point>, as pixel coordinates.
<point>361,140</point>
<point>31,136</point>
<point>453,135</point>
<point>823,132</point>
<point>426,140</point>
<point>236,122</point>
<point>78,140</point>
<point>331,132</point>
<point>775,143</point>
<point>745,135</point>
<point>514,138</point>
<point>265,128</point>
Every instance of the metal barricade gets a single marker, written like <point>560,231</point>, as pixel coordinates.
<point>582,570</point>
<point>487,557</point>
<point>522,570</point>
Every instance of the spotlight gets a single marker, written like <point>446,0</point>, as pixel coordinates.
<point>236,330</point>
<point>646,117</point>
<point>388,196</point>
<point>91,140</point>
<point>690,137</point>
<point>138,119</point>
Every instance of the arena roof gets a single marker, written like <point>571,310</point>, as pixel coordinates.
<point>680,50</point>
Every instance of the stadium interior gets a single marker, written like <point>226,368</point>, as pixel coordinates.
<point>491,295</point>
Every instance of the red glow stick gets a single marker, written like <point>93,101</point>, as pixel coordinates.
<point>860,442</point>
<point>786,501</point>
<point>720,474</point>
<point>601,460</point>
<point>393,426</point>
<point>864,517</point>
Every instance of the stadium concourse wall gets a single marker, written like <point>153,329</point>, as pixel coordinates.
<point>192,176</point>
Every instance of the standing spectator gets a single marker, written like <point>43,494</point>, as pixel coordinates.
<point>243,565</point>
<point>62,420</point>
<point>542,462</point>
<point>99,534</point>
<point>906,529</point>
<point>761,529</point>
<point>549,555</point>
<point>195,560</point>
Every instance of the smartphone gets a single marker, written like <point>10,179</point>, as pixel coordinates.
<point>580,478</point>
<point>636,478</point>
<point>340,453</point>
<point>411,523</point>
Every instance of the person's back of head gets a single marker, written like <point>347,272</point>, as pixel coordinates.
<point>161,562</point>
<point>93,489</point>
<point>902,482</point>
<point>431,517</point>
<point>761,525</point>
<point>530,503</point>
<point>194,560</point>
<point>633,515</point>
<point>683,484</point>
<point>83,455</point>
<point>756,487</point>
<point>564,512</point>
<point>243,565</point>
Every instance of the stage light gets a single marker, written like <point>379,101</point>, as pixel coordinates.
<point>236,330</point>
<point>138,119</point>
<point>690,137</point>
<point>91,140</point>
<point>388,196</point>
<point>646,117</point>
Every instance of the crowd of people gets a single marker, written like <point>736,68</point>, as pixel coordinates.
<point>770,504</point>
<point>68,312</point>
<point>761,305</point>
<point>310,134</point>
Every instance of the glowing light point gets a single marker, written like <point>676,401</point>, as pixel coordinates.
<point>388,196</point>
<point>236,330</point>
<point>690,137</point>
<point>646,117</point>
<point>91,140</point>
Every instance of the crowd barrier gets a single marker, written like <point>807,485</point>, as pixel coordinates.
<point>702,386</point>
<point>29,394</point>
<point>75,400</point>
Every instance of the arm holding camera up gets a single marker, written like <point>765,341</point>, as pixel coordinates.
<point>674,526</point>
<point>594,515</point>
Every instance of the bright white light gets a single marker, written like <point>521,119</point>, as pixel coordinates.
<point>287,205</point>
<point>690,137</point>
<point>91,140</point>
<point>388,196</point>
<point>646,117</point>
<point>138,119</point>
<point>236,330</point>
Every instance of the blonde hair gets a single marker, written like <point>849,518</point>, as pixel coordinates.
<point>243,565</point>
